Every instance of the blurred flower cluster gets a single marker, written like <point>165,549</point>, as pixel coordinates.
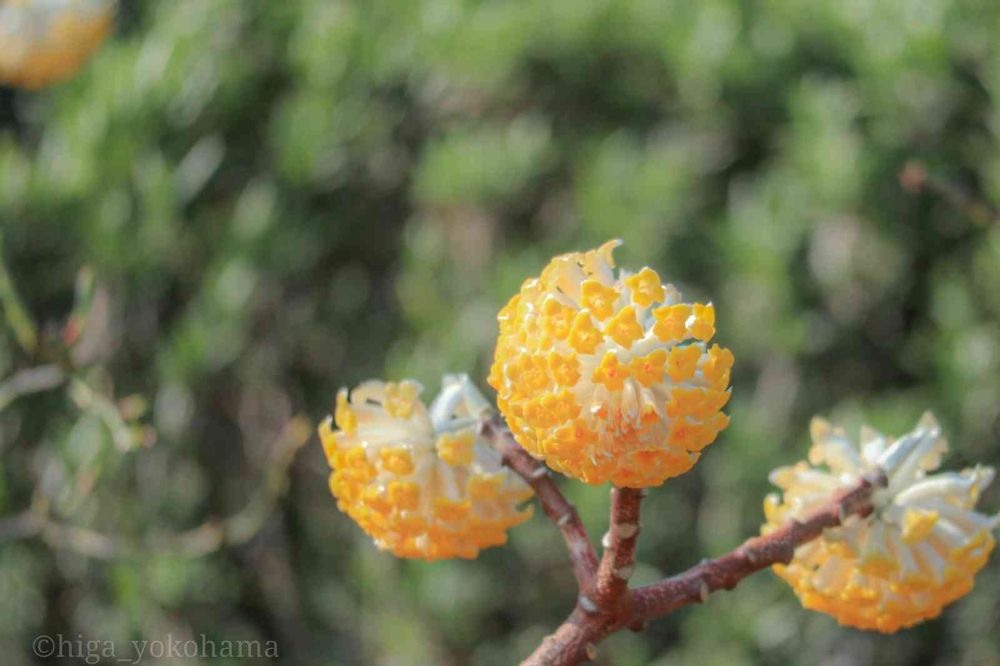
<point>45,41</point>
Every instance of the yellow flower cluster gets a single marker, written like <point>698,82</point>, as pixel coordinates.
<point>918,551</point>
<point>609,377</point>
<point>45,41</point>
<point>420,480</point>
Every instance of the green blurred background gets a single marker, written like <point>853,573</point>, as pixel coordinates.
<point>239,206</point>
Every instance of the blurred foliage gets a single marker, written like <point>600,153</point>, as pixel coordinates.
<point>273,199</point>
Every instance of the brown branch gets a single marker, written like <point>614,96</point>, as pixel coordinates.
<point>210,536</point>
<point>723,573</point>
<point>915,178</point>
<point>618,561</point>
<point>554,504</point>
<point>29,381</point>
<point>576,640</point>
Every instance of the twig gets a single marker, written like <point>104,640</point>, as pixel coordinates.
<point>14,311</point>
<point>29,381</point>
<point>723,573</point>
<point>576,639</point>
<point>554,504</point>
<point>18,526</point>
<point>242,526</point>
<point>35,522</point>
<point>618,561</point>
<point>83,541</point>
<point>208,537</point>
<point>915,178</point>
<point>86,398</point>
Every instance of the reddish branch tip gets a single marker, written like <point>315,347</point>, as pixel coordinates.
<point>913,177</point>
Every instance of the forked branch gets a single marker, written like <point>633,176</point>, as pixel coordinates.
<point>606,604</point>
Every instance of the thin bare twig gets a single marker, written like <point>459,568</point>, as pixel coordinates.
<point>19,526</point>
<point>88,399</point>
<point>208,537</point>
<point>554,504</point>
<point>30,381</point>
<point>723,573</point>
<point>575,641</point>
<point>16,314</point>
<point>36,522</point>
<point>244,525</point>
<point>915,178</point>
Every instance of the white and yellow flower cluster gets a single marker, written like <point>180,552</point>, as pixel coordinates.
<point>609,376</point>
<point>918,551</point>
<point>421,481</point>
<point>45,41</point>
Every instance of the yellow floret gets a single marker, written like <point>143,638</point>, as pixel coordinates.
<point>646,287</point>
<point>624,328</point>
<point>456,448</point>
<point>671,322</point>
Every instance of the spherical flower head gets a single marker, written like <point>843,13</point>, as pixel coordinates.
<point>45,41</point>
<point>421,481</point>
<point>608,376</point>
<point>918,550</point>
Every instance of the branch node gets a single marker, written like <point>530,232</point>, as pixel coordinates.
<point>703,592</point>
<point>587,604</point>
<point>877,478</point>
<point>591,651</point>
<point>564,519</point>
<point>539,472</point>
<point>725,572</point>
<point>637,626</point>
<point>606,540</point>
<point>625,572</point>
<point>626,530</point>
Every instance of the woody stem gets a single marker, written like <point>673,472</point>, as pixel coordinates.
<point>555,505</point>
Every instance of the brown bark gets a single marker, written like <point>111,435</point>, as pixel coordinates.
<point>554,504</point>
<point>619,555</point>
<point>605,603</point>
